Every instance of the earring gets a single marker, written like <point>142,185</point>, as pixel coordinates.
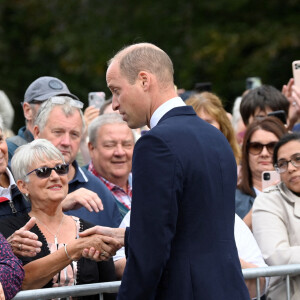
<point>26,194</point>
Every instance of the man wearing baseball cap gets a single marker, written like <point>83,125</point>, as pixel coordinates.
<point>38,91</point>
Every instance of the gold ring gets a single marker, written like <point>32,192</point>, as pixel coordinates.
<point>103,253</point>
<point>20,247</point>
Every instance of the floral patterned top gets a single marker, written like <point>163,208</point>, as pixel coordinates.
<point>11,271</point>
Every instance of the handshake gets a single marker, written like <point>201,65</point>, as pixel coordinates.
<point>97,243</point>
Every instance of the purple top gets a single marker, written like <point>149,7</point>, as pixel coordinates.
<point>11,271</point>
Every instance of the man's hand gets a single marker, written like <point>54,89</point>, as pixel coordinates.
<point>82,198</point>
<point>116,233</point>
<point>23,242</point>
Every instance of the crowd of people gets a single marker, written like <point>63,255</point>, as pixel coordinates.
<point>177,212</point>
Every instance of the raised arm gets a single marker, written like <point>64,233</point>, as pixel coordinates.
<point>39,272</point>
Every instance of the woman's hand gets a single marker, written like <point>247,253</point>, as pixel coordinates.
<point>2,295</point>
<point>96,247</point>
<point>292,93</point>
<point>25,243</point>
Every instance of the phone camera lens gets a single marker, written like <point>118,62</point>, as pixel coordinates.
<point>267,176</point>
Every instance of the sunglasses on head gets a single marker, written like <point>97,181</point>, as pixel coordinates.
<point>256,148</point>
<point>45,172</point>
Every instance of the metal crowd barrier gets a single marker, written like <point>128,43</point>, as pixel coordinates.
<point>283,270</point>
<point>113,287</point>
<point>67,291</point>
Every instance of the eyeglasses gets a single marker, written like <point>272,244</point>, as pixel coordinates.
<point>282,165</point>
<point>256,148</point>
<point>62,100</point>
<point>45,172</point>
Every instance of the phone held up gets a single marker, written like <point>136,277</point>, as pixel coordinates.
<point>269,178</point>
<point>296,72</point>
<point>96,99</point>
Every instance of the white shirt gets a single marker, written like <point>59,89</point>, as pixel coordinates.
<point>164,108</point>
<point>6,192</point>
<point>246,244</point>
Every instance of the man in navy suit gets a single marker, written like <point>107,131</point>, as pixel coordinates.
<point>181,241</point>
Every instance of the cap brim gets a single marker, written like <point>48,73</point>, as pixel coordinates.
<point>47,96</point>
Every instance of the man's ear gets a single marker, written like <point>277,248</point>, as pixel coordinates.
<point>91,147</point>
<point>144,79</point>
<point>36,132</point>
<point>22,186</point>
<point>28,113</point>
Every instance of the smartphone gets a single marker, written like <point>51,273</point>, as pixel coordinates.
<point>96,99</point>
<point>269,178</point>
<point>252,83</point>
<point>280,114</point>
<point>296,72</point>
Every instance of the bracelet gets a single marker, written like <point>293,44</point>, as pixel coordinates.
<point>67,252</point>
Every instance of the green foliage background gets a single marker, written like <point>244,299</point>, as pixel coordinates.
<point>219,41</point>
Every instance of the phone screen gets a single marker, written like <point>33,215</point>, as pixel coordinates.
<point>296,72</point>
<point>269,178</point>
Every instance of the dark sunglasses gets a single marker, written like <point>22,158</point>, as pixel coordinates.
<point>256,148</point>
<point>45,172</point>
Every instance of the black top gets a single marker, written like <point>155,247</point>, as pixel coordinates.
<point>88,271</point>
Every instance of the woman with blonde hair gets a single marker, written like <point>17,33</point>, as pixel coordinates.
<point>208,107</point>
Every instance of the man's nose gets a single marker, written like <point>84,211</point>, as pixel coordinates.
<point>115,104</point>
<point>65,139</point>
<point>119,150</point>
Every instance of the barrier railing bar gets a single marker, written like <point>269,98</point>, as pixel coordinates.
<point>288,289</point>
<point>282,270</point>
<point>65,291</point>
<point>257,288</point>
<point>113,287</point>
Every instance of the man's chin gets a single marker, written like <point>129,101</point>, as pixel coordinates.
<point>68,159</point>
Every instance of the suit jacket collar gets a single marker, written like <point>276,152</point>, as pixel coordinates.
<point>164,108</point>
<point>177,111</point>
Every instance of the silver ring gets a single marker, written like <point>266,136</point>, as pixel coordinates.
<point>20,247</point>
<point>103,253</point>
<point>294,103</point>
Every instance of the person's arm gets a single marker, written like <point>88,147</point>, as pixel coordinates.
<point>157,184</point>
<point>249,254</point>
<point>251,283</point>
<point>11,271</point>
<point>82,198</point>
<point>120,267</point>
<point>270,230</point>
<point>39,272</point>
<point>23,242</point>
<point>2,296</point>
<point>292,93</point>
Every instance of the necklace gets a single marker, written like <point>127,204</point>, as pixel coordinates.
<point>57,231</point>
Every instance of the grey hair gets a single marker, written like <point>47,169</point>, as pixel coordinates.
<point>145,57</point>
<point>47,106</point>
<point>102,120</point>
<point>1,124</point>
<point>39,150</point>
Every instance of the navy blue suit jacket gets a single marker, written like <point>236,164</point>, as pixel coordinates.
<point>181,240</point>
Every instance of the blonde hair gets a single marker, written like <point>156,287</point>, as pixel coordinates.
<point>145,57</point>
<point>212,105</point>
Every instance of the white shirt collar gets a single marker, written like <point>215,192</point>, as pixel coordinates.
<point>164,108</point>
<point>6,192</point>
<point>12,182</point>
